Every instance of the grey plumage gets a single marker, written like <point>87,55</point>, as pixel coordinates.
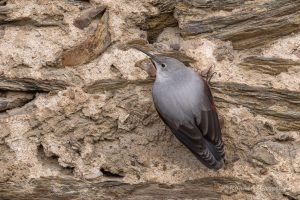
<point>184,102</point>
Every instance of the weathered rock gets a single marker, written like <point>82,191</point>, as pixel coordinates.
<point>2,32</point>
<point>253,25</point>
<point>44,19</point>
<point>165,6</point>
<point>272,66</point>
<point>216,4</point>
<point>3,2</point>
<point>101,85</point>
<point>154,25</point>
<point>287,136</point>
<point>262,100</point>
<point>262,154</point>
<point>4,10</point>
<point>236,94</point>
<point>9,100</point>
<point>58,188</point>
<point>291,195</point>
<point>97,122</point>
<point>27,84</point>
<point>272,188</point>
<point>224,52</point>
<point>90,48</point>
<point>187,60</point>
<point>180,56</point>
<point>87,16</point>
<point>148,66</point>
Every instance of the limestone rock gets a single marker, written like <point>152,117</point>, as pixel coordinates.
<point>262,154</point>
<point>77,111</point>
<point>9,100</point>
<point>249,25</point>
<point>90,48</point>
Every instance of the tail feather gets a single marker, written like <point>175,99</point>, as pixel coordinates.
<point>219,158</point>
<point>206,152</point>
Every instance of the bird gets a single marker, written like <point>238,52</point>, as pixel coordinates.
<point>184,102</point>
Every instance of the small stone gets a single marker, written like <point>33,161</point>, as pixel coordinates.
<point>263,171</point>
<point>91,48</point>
<point>270,127</point>
<point>93,173</point>
<point>10,100</point>
<point>164,167</point>
<point>284,137</point>
<point>87,16</point>
<point>263,155</point>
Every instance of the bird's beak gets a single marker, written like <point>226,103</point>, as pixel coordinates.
<point>153,57</point>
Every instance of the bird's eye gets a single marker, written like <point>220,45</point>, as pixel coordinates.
<point>163,65</point>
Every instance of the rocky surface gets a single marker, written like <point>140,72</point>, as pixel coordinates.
<point>76,113</point>
<point>57,188</point>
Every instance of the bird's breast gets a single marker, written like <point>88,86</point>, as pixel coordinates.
<point>178,100</point>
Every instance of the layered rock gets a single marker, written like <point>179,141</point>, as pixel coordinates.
<point>75,104</point>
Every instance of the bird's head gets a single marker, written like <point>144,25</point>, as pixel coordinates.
<point>164,65</point>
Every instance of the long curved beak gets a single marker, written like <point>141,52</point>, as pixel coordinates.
<point>153,57</point>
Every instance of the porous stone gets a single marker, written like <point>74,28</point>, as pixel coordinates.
<point>89,129</point>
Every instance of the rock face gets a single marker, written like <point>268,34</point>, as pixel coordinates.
<point>76,113</point>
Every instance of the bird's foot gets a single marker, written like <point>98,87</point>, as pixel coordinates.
<point>207,74</point>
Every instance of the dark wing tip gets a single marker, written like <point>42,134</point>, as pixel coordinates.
<point>219,164</point>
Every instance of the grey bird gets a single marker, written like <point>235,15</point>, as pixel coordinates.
<point>184,102</point>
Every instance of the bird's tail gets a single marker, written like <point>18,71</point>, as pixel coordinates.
<point>210,155</point>
<point>218,157</point>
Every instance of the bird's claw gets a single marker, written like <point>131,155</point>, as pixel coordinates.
<point>208,74</point>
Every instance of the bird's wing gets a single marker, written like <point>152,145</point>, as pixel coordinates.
<point>193,139</point>
<point>208,123</point>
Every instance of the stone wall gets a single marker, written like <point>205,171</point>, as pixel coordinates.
<point>76,113</point>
